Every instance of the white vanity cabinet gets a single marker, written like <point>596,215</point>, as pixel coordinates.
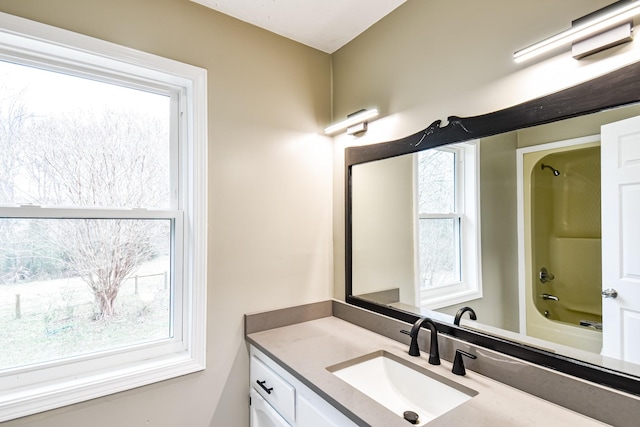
<point>263,414</point>
<point>278,399</point>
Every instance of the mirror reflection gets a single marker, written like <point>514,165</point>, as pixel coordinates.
<point>509,225</point>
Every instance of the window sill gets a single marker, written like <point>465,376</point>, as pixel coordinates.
<point>432,302</point>
<point>28,400</point>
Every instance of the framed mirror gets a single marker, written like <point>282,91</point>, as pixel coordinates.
<point>503,213</point>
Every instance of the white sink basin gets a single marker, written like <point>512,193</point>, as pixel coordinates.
<point>400,386</point>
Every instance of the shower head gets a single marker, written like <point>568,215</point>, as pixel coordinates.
<point>556,172</point>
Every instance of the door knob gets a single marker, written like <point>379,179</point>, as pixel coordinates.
<point>609,293</point>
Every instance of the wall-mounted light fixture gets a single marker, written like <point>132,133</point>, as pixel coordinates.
<point>602,29</point>
<point>355,123</point>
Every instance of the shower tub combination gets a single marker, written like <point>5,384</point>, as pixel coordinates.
<point>562,243</point>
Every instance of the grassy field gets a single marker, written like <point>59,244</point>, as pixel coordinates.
<point>56,318</point>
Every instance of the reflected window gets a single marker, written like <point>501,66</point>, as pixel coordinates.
<point>447,225</point>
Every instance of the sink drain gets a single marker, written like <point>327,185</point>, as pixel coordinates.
<point>411,416</point>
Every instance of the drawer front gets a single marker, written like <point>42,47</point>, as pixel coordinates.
<point>275,390</point>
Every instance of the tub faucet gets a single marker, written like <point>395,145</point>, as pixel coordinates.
<point>550,297</point>
<point>472,315</point>
<point>434,354</point>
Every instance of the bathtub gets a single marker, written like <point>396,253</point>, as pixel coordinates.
<point>560,210</point>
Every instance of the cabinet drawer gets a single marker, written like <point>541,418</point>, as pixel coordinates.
<point>275,390</point>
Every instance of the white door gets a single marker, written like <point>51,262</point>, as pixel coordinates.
<point>620,157</point>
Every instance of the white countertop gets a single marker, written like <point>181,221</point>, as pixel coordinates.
<point>306,349</point>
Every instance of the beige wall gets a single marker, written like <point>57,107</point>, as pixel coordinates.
<point>269,192</point>
<point>574,128</point>
<point>383,227</point>
<point>432,59</point>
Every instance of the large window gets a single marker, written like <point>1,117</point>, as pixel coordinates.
<point>102,213</point>
<point>448,225</point>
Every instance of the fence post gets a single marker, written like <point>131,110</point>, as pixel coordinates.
<point>18,310</point>
<point>136,285</point>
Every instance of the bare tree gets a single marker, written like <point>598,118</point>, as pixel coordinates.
<point>14,119</point>
<point>104,252</point>
<point>114,159</point>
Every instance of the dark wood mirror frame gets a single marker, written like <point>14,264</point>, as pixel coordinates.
<point>618,88</point>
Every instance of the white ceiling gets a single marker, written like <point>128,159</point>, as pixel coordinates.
<point>326,25</point>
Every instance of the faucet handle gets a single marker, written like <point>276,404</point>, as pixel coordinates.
<point>414,350</point>
<point>458,364</point>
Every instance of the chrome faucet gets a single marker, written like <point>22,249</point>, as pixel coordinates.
<point>550,297</point>
<point>434,354</point>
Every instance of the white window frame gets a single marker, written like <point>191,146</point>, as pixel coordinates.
<point>37,388</point>
<point>467,188</point>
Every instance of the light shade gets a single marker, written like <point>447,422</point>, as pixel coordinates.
<point>356,118</point>
<point>606,18</point>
